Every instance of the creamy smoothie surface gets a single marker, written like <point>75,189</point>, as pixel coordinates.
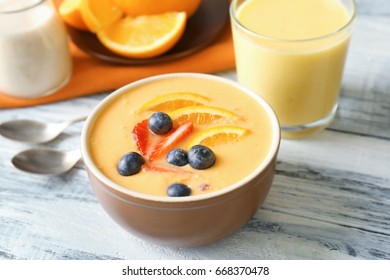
<point>232,124</point>
<point>293,19</point>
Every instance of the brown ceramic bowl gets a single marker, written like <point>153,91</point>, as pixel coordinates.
<point>183,221</point>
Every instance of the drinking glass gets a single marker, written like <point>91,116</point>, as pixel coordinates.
<point>299,78</point>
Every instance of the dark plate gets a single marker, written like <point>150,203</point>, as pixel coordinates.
<point>202,28</point>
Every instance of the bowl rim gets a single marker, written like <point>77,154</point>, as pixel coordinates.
<point>154,198</point>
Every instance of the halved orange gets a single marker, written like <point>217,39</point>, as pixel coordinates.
<point>217,135</point>
<point>173,101</point>
<point>152,7</point>
<point>99,13</point>
<point>201,114</point>
<point>143,36</point>
<point>70,12</point>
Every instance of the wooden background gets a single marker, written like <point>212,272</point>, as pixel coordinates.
<point>330,198</point>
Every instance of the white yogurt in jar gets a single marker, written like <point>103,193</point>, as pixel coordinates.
<point>34,53</point>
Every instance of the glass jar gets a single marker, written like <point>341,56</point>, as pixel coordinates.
<point>34,50</point>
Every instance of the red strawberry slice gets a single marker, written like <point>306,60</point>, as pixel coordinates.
<point>164,169</point>
<point>170,140</point>
<point>141,136</point>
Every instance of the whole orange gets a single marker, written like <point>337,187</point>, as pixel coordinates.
<point>151,7</point>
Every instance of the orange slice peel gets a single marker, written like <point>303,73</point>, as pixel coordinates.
<point>217,135</point>
<point>173,101</point>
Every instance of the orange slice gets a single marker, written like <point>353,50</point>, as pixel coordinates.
<point>173,101</point>
<point>99,13</point>
<point>144,36</point>
<point>150,7</point>
<point>70,12</point>
<point>217,135</point>
<point>201,114</point>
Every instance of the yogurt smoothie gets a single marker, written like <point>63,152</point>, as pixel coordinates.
<point>34,54</point>
<point>112,134</point>
<point>292,53</point>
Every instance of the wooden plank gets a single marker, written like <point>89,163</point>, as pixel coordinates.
<point>364,106</point>
<point>318,208</point>
<point>330,198</point>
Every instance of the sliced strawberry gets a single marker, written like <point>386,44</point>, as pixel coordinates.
<point>141,136</point>
<point>170,140</point>
<point>163,168</point>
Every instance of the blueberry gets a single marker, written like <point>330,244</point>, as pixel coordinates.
<point>177,157</point>
<point>160,123</point>
<point>201,157</point>
<point>178,189</point>
<point>130,164</point>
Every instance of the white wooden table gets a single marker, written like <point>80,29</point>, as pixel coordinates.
<point>330,198</point>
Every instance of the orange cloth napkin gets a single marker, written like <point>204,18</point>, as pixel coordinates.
<point>91,76</point>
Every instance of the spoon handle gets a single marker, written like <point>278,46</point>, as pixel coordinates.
<point>79,119</point>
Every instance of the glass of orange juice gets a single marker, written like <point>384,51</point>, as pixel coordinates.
<point>292,53</point>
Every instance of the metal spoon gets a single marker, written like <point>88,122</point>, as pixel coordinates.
<point>34,132</point>
<point>45,161</point>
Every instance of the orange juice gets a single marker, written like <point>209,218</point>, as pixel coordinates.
<point>292,53</point>
<point>112,133</point>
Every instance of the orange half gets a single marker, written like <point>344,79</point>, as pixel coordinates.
<point>152,7</point>
<point>70,12</point>
<point>99,13</point>
<point>143,36</point>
